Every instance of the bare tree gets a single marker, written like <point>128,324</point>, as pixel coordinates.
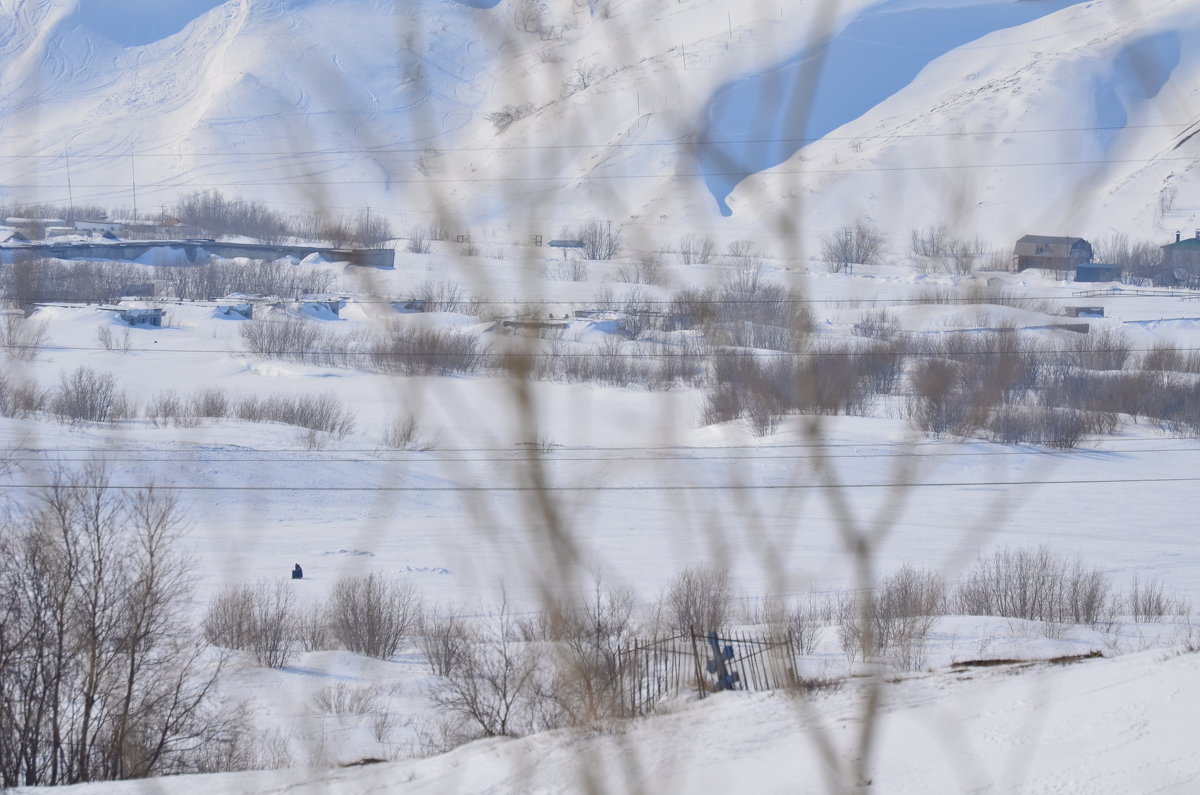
<point>601,240</point>
<point>859,243</point>
<point>696,250</point>
<point>22,339</point>
<point>697,600</point>
<point>102,678</point>
<point>494,687</point>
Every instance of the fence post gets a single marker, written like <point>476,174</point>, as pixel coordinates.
<point>696,659</point>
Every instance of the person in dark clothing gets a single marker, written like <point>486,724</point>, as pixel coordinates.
<point>297,573</point>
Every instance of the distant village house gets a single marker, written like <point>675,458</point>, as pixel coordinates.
<point>1051,253</point>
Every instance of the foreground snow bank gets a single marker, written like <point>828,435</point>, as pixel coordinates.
<point>1048,728</point>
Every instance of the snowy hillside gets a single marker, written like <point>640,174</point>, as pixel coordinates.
<point>947,509</point>
<point>623,110</point>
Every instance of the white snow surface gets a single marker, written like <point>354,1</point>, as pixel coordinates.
<point>1077,122</point>
<point>1101,726</point>
<point>351,102</point>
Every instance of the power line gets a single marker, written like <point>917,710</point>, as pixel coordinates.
<point>400,180</point>
<point>418,457</point>
<point>680,142</point>
<point>562,448</point>
<point>631,488</point>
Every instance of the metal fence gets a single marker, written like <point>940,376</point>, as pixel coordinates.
<point>654,668</point>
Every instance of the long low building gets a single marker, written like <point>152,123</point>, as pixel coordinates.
<point>199,250</point>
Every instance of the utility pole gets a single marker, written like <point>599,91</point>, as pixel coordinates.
<point>133,179</point>
<point>70,193</point>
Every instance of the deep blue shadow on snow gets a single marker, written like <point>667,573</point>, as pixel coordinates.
<point>759,121</point>
<point>135,23</point>
<point>1140,72</point>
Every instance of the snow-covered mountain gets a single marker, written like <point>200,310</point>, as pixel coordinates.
<point>995,115</point>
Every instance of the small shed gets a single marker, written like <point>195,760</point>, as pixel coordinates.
<point>143,317</point>
<point>1097,272</point>
<point>319,304</point>
<point>1051,253</point>
<point>236,311</point>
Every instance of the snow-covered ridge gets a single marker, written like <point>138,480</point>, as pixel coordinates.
<point>352,102</point>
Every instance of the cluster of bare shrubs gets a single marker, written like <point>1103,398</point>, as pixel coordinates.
<point>396,347</point>
<point>1140,260</point>
<point>21,338</point>
<point>826,381</point>
<point>410,350</point>
<point>696,249</point>
<point>568,269</point>
<point>35,214</point>
<point>258,277</point>
<point>859,243</point>
<point>217,214</point>
<point>368,614</point>
<point>508,115</point>
<point>322,412</point>
<point>744,312</point>
<point>647,270</point>
<point>1040,585</point>
<point>893,621</point>
<point>403,433</point>
<point>614,362</point>
<point>29,281</point>
<point>601,239</point>
<point>505,675</point>
<point>936,248</point>
<point>420,237</point>
<point>113,340</point>
<point>20,398</point>
<point>84,395</point>
<point>1011,391</point>
<point>440,295</point>
<point>102,677</point>
<point>255,618</point>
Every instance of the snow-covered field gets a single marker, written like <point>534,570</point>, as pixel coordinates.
<point>644,489</point>
<point>772,123</point>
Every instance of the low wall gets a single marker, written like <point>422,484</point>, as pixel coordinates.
<point>199,250</point>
